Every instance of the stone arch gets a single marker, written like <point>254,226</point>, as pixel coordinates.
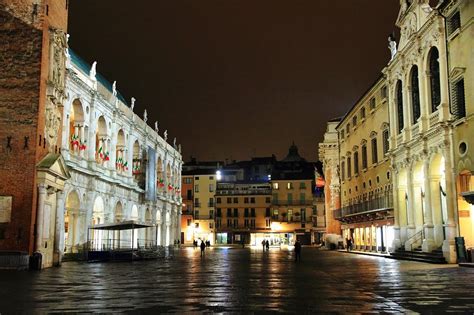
<point>118,211</point>
<point>98,211</point>
<point>71,223</point>
<point>432,64</point>
<point>76,127</point>
<point>101,140</point>
<point>121,164</point>
<point>134,213</point>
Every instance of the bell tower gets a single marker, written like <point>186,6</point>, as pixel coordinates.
<point>32,94</point>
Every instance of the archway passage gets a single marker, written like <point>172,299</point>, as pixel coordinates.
<point>98,217</point>
<point>71,222</point>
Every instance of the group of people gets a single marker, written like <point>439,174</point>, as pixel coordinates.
<point>266,246</point>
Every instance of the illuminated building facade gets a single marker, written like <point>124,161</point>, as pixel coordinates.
<point>242,212</point>
<point>86,158</point>
<point>366,212</point>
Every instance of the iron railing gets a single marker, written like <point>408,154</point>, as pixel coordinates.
<point>382,202</point>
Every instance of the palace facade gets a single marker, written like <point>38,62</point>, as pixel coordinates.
<point>75,155</point>
<point>424,119</point>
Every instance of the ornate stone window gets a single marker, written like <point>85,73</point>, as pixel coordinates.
<point>435,85</point>
<point>458,101</point>
<point>364,154</point>
<point>415,94</point>
<point>399,102</point>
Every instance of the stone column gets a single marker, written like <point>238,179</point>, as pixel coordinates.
<point>82,139</point>
<point>406,111</point>
<point>425,102</point>
<point>449,250</point>
<point>75,148</point>
<point>59,234</point>
<point>396,212</point>
<point>428,242</point>
<point>40,216</point>
<point>410,205</point>
<point>444,81</point>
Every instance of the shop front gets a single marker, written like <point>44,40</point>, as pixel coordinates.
<point>274,238</point>
<point>374,236</point>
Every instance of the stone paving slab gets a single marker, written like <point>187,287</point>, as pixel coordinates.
<point>232,280</point>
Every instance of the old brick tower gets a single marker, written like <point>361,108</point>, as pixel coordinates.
<point>32,94</point>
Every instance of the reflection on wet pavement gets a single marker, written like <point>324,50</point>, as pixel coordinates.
<point>242,280</point>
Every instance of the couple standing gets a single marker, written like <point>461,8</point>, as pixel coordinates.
<point>265,244</point>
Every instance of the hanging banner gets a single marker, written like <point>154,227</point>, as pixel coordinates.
<point>150,187</point>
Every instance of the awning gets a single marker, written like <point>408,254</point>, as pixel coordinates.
<point>125,225</point>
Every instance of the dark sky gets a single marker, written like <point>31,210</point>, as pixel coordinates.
<point>237,78</point>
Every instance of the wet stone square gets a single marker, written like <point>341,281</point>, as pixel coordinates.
<point>243,281</point>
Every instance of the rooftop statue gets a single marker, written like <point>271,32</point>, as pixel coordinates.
<point>66,50</point>
<point>156,127</point>
<point>165,135</point>
<point>93,71</point>
<point>392,45</point>
<point>133,103</point>
<point>174,142</point>
<point>114,88</point>
<point>145,116</point>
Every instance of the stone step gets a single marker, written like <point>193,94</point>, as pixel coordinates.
<point>418,254</point>
<point>434,258</point>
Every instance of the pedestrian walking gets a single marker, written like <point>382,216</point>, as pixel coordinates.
<point>203,248</point>
<point>267,244</point>
<point>263,245</point>
<point>297,251</point>
<point>349,244</point>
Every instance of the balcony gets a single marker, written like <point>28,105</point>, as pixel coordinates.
<point>197,205</point>
<point>211,204</point>
<point>286,202</point>
<point>379,204</point>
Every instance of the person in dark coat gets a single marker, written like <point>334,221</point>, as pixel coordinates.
<point>263,245</point>
<point>267,244</point>
<point>297,251</point>
<point>203,248</point>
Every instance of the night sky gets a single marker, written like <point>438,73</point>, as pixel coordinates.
<point>237,78</point>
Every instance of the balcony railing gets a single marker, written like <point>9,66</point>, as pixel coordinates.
<point>211,204</point>
<point>286,202</point>
<point>197,205</point>
<point>382,202</point>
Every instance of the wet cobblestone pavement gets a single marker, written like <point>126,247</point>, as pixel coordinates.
<point>242,280</point>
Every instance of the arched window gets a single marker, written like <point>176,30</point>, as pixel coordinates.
<point>415,94</point>
<point>399,95</point>
<point>349,171</point>
<point>343,170</point>
<point>121,163</point>
<point>356,163</point>
<point>435,85</point>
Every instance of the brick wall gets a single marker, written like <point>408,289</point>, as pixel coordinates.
<point>24,65</point>
<point>19,98</point>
